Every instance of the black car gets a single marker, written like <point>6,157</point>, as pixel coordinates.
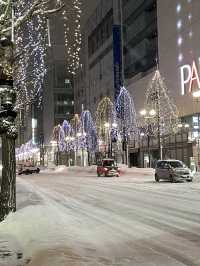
<point>28,170</point>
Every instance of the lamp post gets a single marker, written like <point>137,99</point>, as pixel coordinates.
<point>108,128</point>
<point>81,135</point>
<point>196,96</point>
<point>148,115</point>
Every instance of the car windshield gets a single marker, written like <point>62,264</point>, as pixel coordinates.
<point>109,163</point>
<point>177,164</point>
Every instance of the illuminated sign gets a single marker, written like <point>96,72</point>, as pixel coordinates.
<point>190,78</point>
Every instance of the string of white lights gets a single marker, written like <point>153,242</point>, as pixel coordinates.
<point>72,33</point>
<point>26,21</point>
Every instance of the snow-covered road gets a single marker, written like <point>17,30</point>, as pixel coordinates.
<point>79,219</point>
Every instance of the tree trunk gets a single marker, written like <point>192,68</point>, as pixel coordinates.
<point>8,185</point>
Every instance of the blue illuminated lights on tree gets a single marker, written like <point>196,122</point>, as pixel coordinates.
<point>89,131</point>
<point>26,151</point>
<point>66,128</point>
<point>126,114</point>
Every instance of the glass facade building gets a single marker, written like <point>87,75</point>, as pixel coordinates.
<point>140,36</point>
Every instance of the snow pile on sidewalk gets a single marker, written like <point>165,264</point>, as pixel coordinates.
<point>35,228</point>
<point>92,169</point>
<point>135,170</point>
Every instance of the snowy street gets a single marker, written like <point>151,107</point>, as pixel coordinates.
<point>78,219</point>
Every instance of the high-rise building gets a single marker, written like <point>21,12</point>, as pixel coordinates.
<point>95,79</point>
<point>57,104</point>
<point>138,21</point>
<point>156,33</point>
<point>140,36</point>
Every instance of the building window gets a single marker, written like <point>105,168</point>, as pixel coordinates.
<point>101,33</point>
<point>140,36</point>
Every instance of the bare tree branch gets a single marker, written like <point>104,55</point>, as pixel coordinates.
<point>38,8</point>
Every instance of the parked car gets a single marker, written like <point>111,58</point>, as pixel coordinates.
<point>172,170</point>
<point>28,169</point>
<point>108,167</point>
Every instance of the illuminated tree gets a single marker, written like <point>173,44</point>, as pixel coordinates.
<point>105,114</point>
<point>16,18</point>
<point>164,119</point>
<point>72,35</point>
<point>127,123</point>
<point>89,133</point>
<point>158,99</point>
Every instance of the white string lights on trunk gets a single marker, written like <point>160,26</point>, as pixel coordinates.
<point>27,23</point>
<point>72,33</point>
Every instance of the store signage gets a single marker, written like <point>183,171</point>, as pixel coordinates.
<point>190,78</point>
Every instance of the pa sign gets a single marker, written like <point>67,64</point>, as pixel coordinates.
<point>190,79</point>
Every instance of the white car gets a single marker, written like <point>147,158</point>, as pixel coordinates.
<point>172,170</point>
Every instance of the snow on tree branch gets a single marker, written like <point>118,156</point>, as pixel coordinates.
<point>37,8</point>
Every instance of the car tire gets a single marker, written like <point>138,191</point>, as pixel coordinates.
<point>171,179</point>
<point>98,174</point>
<point>156,178</point>
<point>37,171</point>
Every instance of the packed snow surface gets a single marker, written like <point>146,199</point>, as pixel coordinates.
<point>67,216</point>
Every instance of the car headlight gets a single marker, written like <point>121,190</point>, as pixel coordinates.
<point>105,169</point>
<point>191,173</point>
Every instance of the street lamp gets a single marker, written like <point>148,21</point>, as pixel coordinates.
<point>148,114</point>
<point>182,125</point>
<point>114,125</point>
<point>81,135</point>
<point>108,128</point>
<point>196,94</point>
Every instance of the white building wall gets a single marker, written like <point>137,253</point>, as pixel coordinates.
<point>176,47</point>
<point>179,42</point>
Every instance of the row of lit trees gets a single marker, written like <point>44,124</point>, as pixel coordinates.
<point>118,123</point>
<point>77,134</point>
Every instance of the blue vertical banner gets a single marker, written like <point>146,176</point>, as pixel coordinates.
<point>117,59</point>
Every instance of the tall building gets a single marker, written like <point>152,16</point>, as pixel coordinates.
<point>140,47</point>
<point>57,104</point>
<point>140,36</point>
<point>95,79</point>
<point>155,32</point>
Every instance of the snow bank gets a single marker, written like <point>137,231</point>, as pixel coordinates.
<point>92,169</point>
<point>36,228</point>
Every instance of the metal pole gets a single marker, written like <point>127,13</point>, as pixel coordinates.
<point>122,38</point>
<point>148,146</point>
<point>158,125</point>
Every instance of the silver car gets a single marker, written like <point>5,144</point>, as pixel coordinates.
<point>172,170</point>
